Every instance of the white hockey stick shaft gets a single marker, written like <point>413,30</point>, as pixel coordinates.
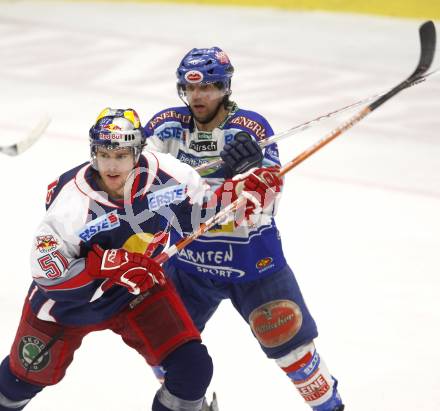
<point>293,130</point>
<point>304,126</point>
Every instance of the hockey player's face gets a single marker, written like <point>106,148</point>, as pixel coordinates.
<point>114,166</point>
<point>204,100</point>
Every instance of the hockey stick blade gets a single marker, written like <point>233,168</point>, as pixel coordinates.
<point>21,146</point>
<point>427,44</point>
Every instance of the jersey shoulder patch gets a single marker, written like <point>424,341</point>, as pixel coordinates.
<point>251,122</point>
<point>179,114</point>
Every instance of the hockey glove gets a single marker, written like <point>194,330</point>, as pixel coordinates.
<point>242,154</point>
<point>261,187</point>
<point>136,272</point>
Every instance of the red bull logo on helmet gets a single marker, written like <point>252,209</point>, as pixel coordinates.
<point>194,76</point>
<point>110,136</point>
<point>112,127</point>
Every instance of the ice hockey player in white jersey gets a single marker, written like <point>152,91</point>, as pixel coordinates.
<point>93,269</point>
<point>246,265</point>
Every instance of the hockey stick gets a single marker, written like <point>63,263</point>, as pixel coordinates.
<point>291,131</point>
<point>427,42</point>
<point>304,126</point>
<point>22,145</point>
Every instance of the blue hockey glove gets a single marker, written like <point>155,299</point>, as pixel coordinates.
<point>242,154</point>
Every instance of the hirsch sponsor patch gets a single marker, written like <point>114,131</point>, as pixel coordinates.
<point>201,146</point>
<point>46,243</point>
<point>105,222</point>
<point>32,354</point>
<point>276,322</point>
<point>166,196</point>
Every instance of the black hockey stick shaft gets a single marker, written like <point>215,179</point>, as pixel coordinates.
<point>427,43</point>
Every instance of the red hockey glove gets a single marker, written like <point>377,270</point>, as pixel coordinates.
<point>137,272</point>
<point>261,188</point>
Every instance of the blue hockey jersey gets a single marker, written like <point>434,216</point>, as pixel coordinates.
<point>226,252</point>
<point>159,192</point>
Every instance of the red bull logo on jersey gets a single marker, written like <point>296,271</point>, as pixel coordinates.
<point>194,76</point>
<point>105,222</point>
<point>46,243</point>
<point>166,196</point>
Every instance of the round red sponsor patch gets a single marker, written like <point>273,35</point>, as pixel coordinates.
<point>276,322</point>
<point>194,76</point>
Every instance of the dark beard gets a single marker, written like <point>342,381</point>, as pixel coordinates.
<point>209,118</point>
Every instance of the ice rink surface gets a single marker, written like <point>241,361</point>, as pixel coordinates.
<point>360,220</point>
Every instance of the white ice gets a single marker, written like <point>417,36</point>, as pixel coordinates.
<point>360,220</point>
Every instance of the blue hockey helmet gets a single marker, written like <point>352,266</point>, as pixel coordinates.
<point>205,66</point>
<point>117,128</point>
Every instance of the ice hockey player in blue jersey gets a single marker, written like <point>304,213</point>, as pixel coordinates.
<point>244,264</point>
<point>93,268</point>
